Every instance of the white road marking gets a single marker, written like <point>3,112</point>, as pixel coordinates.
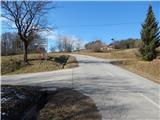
<point>151,101</point>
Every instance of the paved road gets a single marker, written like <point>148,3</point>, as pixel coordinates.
<point>118,93</point>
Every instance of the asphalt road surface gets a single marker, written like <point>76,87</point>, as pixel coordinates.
<point>118,93</point>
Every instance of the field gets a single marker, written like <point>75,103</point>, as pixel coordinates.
<point>114,54</point>
<point>55,61</point>
<point>129,59</point>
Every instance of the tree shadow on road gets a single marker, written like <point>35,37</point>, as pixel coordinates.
<point>69,104</point>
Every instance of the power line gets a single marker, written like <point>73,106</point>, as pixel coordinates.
<point>96,25</point>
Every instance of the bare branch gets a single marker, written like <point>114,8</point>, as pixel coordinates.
<point>27,17</point>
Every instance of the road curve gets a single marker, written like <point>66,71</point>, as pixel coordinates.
<point>118,93</point>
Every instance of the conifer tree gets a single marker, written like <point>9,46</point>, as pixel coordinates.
<point>150,36</point>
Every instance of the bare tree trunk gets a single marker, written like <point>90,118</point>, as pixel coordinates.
<point>25,52</point>
<point>5,50</point>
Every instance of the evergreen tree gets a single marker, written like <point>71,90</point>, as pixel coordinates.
<point>150,36</point>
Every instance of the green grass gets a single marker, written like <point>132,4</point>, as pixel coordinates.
<point>15,65</point>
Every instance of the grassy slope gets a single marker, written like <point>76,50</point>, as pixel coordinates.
<point>15,65</point>
<point>133,63</point>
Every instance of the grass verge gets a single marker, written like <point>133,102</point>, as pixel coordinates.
<point>150,70</point>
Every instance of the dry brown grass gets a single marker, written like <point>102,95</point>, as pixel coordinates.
<point>132,62</point>
<point>115,54</point>
<point>150,70</point>
<point>71,63</point>
<point>15,65</point>
<point>68,104</point>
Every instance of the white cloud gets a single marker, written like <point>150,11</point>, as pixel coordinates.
<point>51,35</point>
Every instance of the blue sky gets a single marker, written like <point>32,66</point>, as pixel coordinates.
<point>100,20</point>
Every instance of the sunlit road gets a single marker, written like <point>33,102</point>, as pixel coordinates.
<point>118,93</point>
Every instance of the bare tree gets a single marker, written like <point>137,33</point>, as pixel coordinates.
<point>27,17</point>
<point>68,43</point>
<point>53,49</point>
<point>8,43</point>
<point>78,44</point>
<point>59,43</point>
<point>95,46</point>
<point>37,41</point>
<point>65,43</point>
